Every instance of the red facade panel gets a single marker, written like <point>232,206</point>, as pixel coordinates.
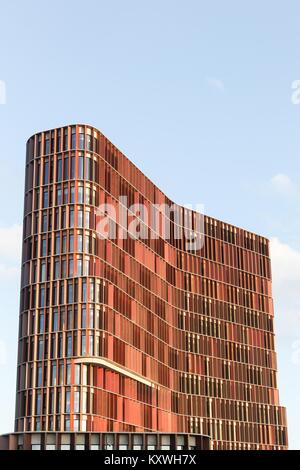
<point>138,334</point>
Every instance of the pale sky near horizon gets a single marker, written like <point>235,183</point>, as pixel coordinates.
<point>197,94</point>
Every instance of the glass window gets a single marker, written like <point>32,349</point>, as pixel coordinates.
<point>53,375</point>
<point>67,426</point>
<point>76,402</point>
<point>80,218</point>
<point>71,243</point>
<point>83,346</point>
<point>92,291</point>
<point>45,198</point>
<point>71,267</point>
<point>91,317</point>
<point>70,292</point>
<point>43,247</point>
<point>42,297</point>
<point>87,219</point>
<point>41,323</point>
<point>51,404</point>
<point>81,141</point>
<point>61,374</point>
<point>83,317</point>
<point>69,369</point>
<point>37,424</point>
<point>72,194</point>
<point>57,244</point>
<point>39,376</point>
<point>58,140</point>
<point>68,402</point>
<point>80,167</point>
<point>50,446</point>
<point>38,403</point>
<point>91,344</point>
<point>87,243</point>
<point>39,144</point>
<point>88,165</point>
<point>43,271</point>
<point>70,319</point>
<point>84,401</point>
<point>79,267</point>
<point>66,138</point>
<point>77,374</point>
<point>56,219</point>
<point>58,401</point>
<point>80,194</point>
<point>44,222</point>
<point>64,243</point>
<point>109,444</point>
<point>46,172</point>
<point>59,170</point>
<point>66,194</point>
<point>46,145</point>
<point>56,269</point>
<point>79,243</point>
<point>61,293</point>
<point>73,138</point>
<point>88,195</point>
<point>71,224</point>
<point>66,168</point>
<point>66,446</point>
<point>36,447</point>
<point>89,142</point>
<point>55,320</point>
<point>54,294</point>
<point>58,196</point>
<point>64,218</point>
<point>64,268</point>
<point>72,168</point>
<point>69,348</point>
<point>40,349</point>
<point>83,291</point>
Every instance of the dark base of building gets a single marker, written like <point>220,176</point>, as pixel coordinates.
<point>103,441</point>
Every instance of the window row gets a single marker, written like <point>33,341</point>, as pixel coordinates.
<point>63,318</point>
<point>64,292</point>
<point>59,140</point>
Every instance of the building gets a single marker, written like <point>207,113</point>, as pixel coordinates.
<point>134,332</point>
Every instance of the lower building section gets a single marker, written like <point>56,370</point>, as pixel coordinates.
<point>103,441</point>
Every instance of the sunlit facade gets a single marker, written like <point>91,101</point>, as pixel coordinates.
<point>123,335</point>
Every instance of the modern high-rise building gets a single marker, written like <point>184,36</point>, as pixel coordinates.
<point>137,331</point>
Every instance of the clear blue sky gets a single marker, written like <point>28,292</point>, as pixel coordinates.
<point>196,93</point>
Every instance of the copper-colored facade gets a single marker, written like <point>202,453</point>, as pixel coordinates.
<point>138,336</point>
